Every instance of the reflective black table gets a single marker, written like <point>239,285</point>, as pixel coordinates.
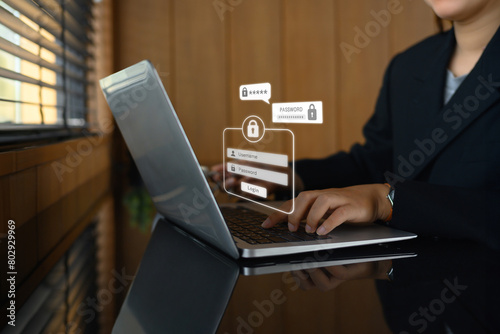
<point>434,286</point>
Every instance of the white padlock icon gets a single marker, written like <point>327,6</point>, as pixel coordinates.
<point>253,129</point>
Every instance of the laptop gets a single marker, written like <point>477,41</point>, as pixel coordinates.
<point>180,190</point>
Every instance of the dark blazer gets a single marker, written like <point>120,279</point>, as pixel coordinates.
<point>443,160</point>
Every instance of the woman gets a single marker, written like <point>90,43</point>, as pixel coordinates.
<point>434,139</point>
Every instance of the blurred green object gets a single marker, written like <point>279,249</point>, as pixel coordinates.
<point>140,208</point>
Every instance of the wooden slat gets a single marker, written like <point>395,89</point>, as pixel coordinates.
<point>3,270</point>
<point>49,185</point>
<point>106,257</point>
<point>360,74</point>
<point>26,254</point>
<point>86,168</point>
<point>5,214</point>
<point>103,161</point>
<point>50,229</point>
<point>143,32</point>
<point>61,216</point>
<point>35,156</point>
<point>23,196</point>
<point>414,23</point>
<point>69,180</point>
<point>309,55</point>
<point>254,54</point>
<point>200,76</point>
<point>7,163</point>
<point>69,211</point>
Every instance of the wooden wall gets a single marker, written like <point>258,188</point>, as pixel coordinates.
<point>52,193</point>
<point>205,49</point>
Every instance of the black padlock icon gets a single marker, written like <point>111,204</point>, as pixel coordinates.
<point>245,92</point>
<point>233,168</point>
<point>311,113</point>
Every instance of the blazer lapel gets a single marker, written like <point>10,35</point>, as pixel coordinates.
<point>478,92</point>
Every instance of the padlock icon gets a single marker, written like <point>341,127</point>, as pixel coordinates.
<point>311,113</point>
<point>245,92</point>
<point>253,129</point>
<point>233,168</point>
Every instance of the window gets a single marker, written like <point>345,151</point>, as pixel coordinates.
<point>45,64</point>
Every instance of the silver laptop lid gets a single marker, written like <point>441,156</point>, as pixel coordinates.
<point>163,155</point>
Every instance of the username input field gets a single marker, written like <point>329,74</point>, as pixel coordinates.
<point>258,173</point>
<point>273,159</point>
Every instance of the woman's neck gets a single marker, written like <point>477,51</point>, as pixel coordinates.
<point>472,36</point>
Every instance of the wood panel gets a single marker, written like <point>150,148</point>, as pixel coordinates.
<point>5,203</point>
<point>200,76</point>
<point>46,205</point>
<point>309,72</point>
<point>50,229</point>
<point>26,255</point>
<point>254,56</point>
<point>7,163</point>
<point>49,185</point>
<point>142,32</point>
<point>106,257</point>
<point>23,196</point>
<point>31,157</point>
<point>414,23</point>
<point>361,71</point>
<point>104,58</point>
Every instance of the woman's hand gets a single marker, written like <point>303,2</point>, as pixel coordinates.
<point>357,204</point>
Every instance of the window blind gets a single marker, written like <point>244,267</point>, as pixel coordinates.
<point>46,63</point>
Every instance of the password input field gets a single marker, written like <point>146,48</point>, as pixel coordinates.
<point>258,173</point>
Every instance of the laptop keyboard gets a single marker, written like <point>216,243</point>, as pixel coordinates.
<point>246,225</point>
